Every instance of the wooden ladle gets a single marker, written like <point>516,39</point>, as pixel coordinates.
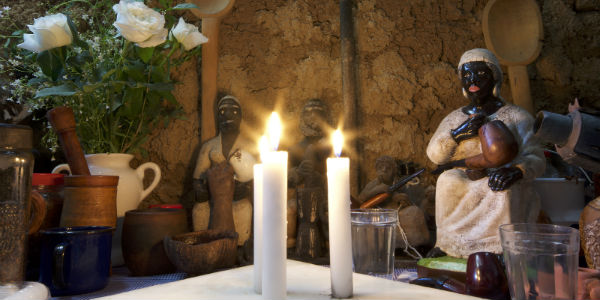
<point>513,31</point>
<point>211,12</point>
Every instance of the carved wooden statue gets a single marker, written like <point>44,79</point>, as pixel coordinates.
<point>410,216</point>
<point>223,174</point>
<point>307,174</point>
<point>489,157</point>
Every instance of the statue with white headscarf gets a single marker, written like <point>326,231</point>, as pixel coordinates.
<point>471,203</point>
<point>223,175</point>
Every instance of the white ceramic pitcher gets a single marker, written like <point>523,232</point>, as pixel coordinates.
<point>130,190</point>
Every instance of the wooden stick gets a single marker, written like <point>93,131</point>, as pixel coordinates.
<point>349,86</point>
<point>63,122</point>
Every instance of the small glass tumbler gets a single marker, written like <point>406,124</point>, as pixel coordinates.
<point>373,241</point>
<point>541,260</point>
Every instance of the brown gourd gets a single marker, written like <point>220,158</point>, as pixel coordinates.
<point>498,147</point>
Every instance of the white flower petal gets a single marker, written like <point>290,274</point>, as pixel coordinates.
<point>155,40</point>
<point>193,40</point>
<point>139,24</point>
<point>188,35</point>
<point>131,33</point>
<point>48,32</point>
<point>29,43</point>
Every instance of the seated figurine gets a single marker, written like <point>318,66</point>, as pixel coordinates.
<point>410,216</point>
<point>223,174</point>
<point>489,157</point>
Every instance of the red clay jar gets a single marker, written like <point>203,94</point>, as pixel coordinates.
<point>142,239</point>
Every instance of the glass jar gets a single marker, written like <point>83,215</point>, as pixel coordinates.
<point>16,168</point>
<point>50,187</point>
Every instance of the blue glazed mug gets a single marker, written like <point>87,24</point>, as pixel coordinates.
<point>75,260</point>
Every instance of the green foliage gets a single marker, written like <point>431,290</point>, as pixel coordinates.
<point>120,93</point>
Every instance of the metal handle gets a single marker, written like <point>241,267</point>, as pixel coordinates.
<point>58,274</point>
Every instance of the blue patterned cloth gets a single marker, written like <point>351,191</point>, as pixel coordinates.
<point>121,281</point>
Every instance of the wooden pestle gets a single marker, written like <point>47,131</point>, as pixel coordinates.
<point>63,122</point>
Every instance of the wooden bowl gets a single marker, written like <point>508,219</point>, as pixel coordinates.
<point>202,252</point>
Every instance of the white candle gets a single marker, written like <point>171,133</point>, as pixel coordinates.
<point>258,210</point>
<point>274,216</point>
<point>340,240</point>
<point>258,219</point>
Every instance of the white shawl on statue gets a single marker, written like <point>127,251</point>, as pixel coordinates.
<point>468,213</point>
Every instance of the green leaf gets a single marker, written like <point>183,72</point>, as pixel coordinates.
<point>89,88</point>
<point>132,103</point>
<point>50,64</point>
<point>79,60</point>
<point>169,96</point>
<point>136,71</point>
<point>36,80</point>
<point>145,54</point>
<point>158,74</point>
<point>61,90</point>
<point>116,103</point>
<point>185,6</point>
<point>160,86</point>
<point>106,75</point>
<point>76,40</point>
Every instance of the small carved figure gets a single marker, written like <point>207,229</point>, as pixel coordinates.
<point>489,157</point>
<point>223,175</point>
<point>307,162</point>
<point>410,216</point>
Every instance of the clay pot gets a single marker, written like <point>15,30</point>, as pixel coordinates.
<point>202,252</point>
<point>589,229</point>
<point>90,200</point>
<point>142,239</point>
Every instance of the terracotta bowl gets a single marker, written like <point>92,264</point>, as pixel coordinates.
<point>202,252</point>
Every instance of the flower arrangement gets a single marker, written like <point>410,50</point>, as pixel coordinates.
<point>115,77</point>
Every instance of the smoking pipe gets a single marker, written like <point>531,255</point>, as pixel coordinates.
<point>380,197</point>
<point>498,147</point>
<point>63,122</point>
<point>441,282</point>
<point>485,278</point>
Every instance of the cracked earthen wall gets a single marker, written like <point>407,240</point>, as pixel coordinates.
<point>277,54</point>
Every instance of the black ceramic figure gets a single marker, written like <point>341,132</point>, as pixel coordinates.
<point>488,158</point>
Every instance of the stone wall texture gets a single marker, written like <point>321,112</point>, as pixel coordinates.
<point>277,54</point>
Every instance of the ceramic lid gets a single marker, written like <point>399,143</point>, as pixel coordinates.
<point>16,136</point>
<point>47,179</point>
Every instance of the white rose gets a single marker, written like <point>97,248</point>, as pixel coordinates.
<point>188,35</point>
<point>48,32</point>
<point>140,24</point>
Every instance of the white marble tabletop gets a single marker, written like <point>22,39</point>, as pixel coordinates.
<point>304,281</point>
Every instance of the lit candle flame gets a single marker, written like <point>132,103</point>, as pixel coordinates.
<point>274,131</point>
<point>263,147</point>
<point>338,142</point>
